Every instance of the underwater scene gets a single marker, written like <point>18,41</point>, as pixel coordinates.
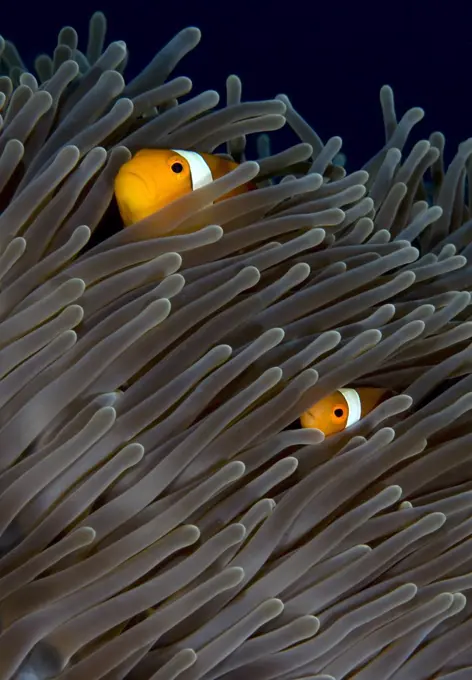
<point>235,365</point>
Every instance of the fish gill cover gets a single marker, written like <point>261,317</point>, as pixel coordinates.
<point>160,515</point>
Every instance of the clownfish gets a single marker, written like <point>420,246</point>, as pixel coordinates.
<point>342,408</point>
<point>153,178</point>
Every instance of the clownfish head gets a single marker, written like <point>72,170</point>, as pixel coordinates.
<point>342,408</point>
<point>153,178</point>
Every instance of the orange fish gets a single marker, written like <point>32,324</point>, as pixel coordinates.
<point>153,178</point>
<point>342,408</point>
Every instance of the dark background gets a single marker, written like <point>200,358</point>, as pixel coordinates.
<point>330,58</point>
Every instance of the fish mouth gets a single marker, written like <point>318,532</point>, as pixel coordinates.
<point>139,181</point>
<point>308,414</point>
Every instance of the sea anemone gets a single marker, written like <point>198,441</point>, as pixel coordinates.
<point>161,514</point>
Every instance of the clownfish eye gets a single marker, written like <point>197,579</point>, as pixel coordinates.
<point>177,167</point>
<point>338,412</point>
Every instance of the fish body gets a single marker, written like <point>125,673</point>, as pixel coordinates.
<point>153,178</point>
<point>342,408</point>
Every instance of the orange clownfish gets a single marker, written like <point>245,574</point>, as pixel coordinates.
<point>342,408</point>
<point>153,178</point>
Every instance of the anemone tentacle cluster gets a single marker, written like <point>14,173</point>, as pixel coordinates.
<point>161,516</point>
